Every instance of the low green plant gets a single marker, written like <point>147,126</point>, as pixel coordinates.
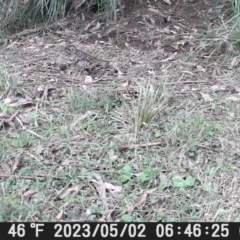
<point>236,6</point>
<point>150,103</point>
<point>141,112</point>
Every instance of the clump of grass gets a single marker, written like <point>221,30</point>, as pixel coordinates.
<point>224,39</point>
<point>236,6</point>
<point>150,103</point>
<point>141,112</point>
<point>17,15</point>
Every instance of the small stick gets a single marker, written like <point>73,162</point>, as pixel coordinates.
<point>26,177</point>
<point>186,82</point>
<point>125,147</point>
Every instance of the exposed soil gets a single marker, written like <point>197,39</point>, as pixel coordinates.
<point>158,27</point>
<point>155,31</point>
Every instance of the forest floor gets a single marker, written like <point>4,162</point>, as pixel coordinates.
<point>73,147</point>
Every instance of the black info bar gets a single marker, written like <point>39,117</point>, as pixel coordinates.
<point>90,230</point>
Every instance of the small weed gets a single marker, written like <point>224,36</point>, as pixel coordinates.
<point>126,218</point>
<point>6,109</point>
<point>81,101</point>
<point>24,139</point>
<point>126,173</point>
<point>236,6</point>
<point>150,103</point>
<point>179,182</point>
<point>146,175</point>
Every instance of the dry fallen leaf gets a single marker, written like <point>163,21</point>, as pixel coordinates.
<point>112,188</point>
<point>68,191</point>
<point>6,169</point>
<point>15,165</point>
<point>234,62</point>
<point>97,26</point>
<point>21,102</point>
<point>125,84</point>
<point>218,87</point>
<point>179,43</point>
<point>7,100</point>
<point>157,44</point>
<point>206,97</point>
<point>230,48</point>
<point>101,189</point>
<point>167,2</point>
<point>29,193</point>
<point>170,58</point>
<point>60,214</point>
<point>88,79</point>
<point>233,98</point>
<point>143,198</point>
<point>200,68</point>
<point>150,191</point>
<point>214,73</point>
<point>175,46</point>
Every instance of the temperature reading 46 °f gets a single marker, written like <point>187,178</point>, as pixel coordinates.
<point>17,230</point>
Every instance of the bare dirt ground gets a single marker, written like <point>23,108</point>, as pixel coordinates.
<point>69,149</point>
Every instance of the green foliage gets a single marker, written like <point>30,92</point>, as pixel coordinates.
<point>6,109</point>
<point>126,173</point>
<point>127,218</point>
<point>18,15</point>
<point>146,175</point>
<point>179,182</point>
<point>23,139</point>
<point>236,6</point>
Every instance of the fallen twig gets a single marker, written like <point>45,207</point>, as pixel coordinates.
<point>26,177</point>
<point>186,82</point>
<point>125,147</point>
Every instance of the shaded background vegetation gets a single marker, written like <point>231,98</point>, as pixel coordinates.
<point>17,15</point>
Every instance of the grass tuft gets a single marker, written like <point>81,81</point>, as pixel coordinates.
<point>142,112</point>
<point>150,103</point>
